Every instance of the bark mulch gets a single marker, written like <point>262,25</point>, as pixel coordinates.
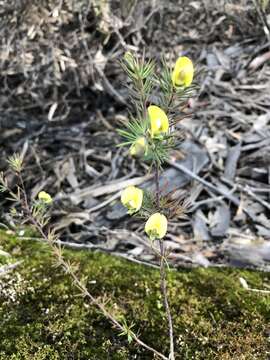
<point>62,97</point>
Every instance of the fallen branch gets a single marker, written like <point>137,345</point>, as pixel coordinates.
<point>246,286</point>
<point>212,187</point>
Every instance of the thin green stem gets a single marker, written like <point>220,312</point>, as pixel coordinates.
<point>170,100</point>
<point>163,280</point>
<point>157,185</point>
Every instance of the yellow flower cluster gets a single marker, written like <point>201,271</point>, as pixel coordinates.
<point>132,197</point>
<point>182,76</point>
<point>156,225</point>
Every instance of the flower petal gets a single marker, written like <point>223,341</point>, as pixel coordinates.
<point>159,121</point>
<point>156,226</point>
<point>183,72</point>
<point>132,198</point>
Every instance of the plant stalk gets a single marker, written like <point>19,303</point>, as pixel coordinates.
<point>163,280</point>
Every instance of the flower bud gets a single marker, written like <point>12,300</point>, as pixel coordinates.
<point>183,72</point>
<point>156,226</point>
<point>159,121</point>
<point>128,56</point>
<point>132,198</point>
<point>139,147</point>
<point>45,197</point>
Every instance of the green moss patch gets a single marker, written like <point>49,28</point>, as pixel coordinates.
<point>43,315</point>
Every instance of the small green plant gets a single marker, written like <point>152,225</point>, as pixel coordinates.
<point>37,214</point>
<point>150,134</point>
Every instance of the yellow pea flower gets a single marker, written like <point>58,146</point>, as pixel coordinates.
<point>183,72</point>
<point>139,147</point>
<point>132,199</point>
<point>159,121</point>
<point>45,197</point>
<point>156,226</point>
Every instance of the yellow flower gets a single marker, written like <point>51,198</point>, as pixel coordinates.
<point>158,120</point>
<point>45,197</point>
<point>156,226</point>
<point>183,72</point>
<point>132,198</point>
<point>139,147</point>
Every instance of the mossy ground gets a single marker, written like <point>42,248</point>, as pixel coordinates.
<point>43,316</point>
